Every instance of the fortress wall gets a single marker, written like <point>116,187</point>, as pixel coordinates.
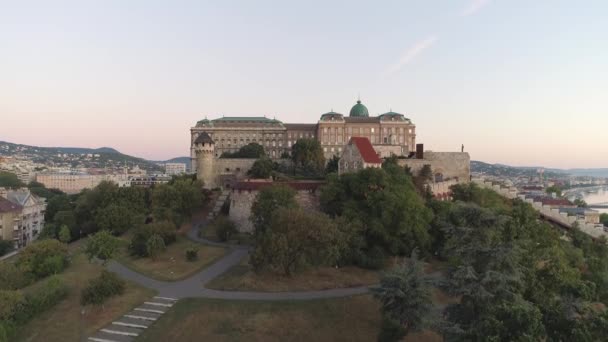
<point>450,164</point>
<point>242,200</point>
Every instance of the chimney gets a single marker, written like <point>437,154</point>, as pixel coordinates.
<point>419,151</point>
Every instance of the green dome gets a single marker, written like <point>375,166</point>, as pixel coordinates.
<point>359,110</point>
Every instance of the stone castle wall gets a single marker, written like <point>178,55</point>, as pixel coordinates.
<point>452,165</point>
<point>242,200</point>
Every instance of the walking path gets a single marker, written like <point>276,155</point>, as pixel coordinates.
<point>130,325</point>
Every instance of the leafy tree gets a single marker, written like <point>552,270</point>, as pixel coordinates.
<point>176,202</point>
<point>554,189</point>
<point>405,296</point>
<point>102,246</point>
<point>308,154</point>
<point>267,201</point>
<point>285,155</point>
<point>251,150</point>
<point>426,173</point>
<point>5,246</point>
<point>11,277</point>
<point>56,204</point>
<point>99,289</point>
<point>332,165</point>
<point>580,203</point>
<point>385,204</point>
<point>155,245</point>
<point>10,180</point>
<point>64,234</point>
<point>296,238</point>
<point>142,234</point>
<point>224,228</point>
<point>604,219</point>
<point>116,218</point>
<point>262,168</point>
<point>43,258</point>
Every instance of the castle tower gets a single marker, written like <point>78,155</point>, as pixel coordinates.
<point>205,160</point>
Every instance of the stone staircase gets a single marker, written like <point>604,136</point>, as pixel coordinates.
<point>218,205</point>
<point>131,324</point>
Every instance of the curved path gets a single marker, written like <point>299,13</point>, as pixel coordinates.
<point>194,285</point>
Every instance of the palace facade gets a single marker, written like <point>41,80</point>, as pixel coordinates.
<point>389,133</point>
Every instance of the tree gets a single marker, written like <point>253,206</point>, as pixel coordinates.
<point>116,218</point>
<point>426,173</point>
<point>604,219</point>
<point>142,234</point>
<point>176,202</point>
<point>580,203</point>
<point>43,258</point>
<point>332,165</point>
<point>5,246</point>
<point>262,168</point>
<point>10,180</point>
<point>224,228</point>
<point>405,295</point>
<point>64,234</point>
<point>554,189</point>
<point>385,204</point>
<point>99,289</point>
<point>296,238</point>
<point>266,202</point>
<point>251,150</point>
<point>101,246</point>
<point>308,154</point>
<point>155,245</point>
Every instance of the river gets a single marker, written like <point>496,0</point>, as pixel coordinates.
<point>593,196</point>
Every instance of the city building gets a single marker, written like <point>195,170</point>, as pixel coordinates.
<point>68,182</point>
<point>172,169</point>
<point>31,216</point>
<point>10,217</point>
<point>358,154</point>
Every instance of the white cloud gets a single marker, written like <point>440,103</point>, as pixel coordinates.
<point>474,6</point>
<point>412,52</point>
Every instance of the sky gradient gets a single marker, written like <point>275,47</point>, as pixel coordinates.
<point>516,82</point>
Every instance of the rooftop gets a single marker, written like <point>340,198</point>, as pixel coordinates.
<point>366,150</point>
<point>7,206</point>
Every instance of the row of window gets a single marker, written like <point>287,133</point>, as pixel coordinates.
<point>364,130</point>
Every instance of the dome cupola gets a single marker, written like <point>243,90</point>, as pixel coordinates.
<point>359,110</point>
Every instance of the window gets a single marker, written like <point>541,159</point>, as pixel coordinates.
<point>324,149</point>
<point>372,129</point>
<point>332,149</point>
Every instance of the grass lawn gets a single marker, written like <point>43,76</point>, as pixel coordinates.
<point>344,319</point>
<point>64,321</point>
<point>241,277</point>
<point>172,265</point>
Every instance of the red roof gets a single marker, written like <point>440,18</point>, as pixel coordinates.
<point>366,150</point>
<point>7,206</point>
<point>556,201</point>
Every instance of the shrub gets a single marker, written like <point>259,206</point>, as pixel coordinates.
<point>224,228</point>
<point>12,278</point>
<point>102,246</point>
<point>155,245</point>
<point>43,258</point>
<point>5,246</point>
<point>7,331</point>
<point>142,234</point>
<point>99,289</point>
<point>13,302</point>
<point>43,297</point>
<point>191,253</point>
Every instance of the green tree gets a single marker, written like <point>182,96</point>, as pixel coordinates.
<point>5,246</point>
<point>10,180</point>
<point>426,173</point>
<point>142,233</point>
<point>262,168</point>
<point>554,189</point>
<point>99,289</point>
<point>251,150</point>
<point>266,202</point>
<point>176,202</point>
<point>64,234</point>
<point>580,203</point>
<point>405,296</point>
<point>116,218</point>
<point>43,258</point>
<point>332,165</point>
<point>155,245</point>
<point>297,238</point>
<point>604,219</point>
<point>308,154</point>
<point>224,228</point>
<point>102,246</point>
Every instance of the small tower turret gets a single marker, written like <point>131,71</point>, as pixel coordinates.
<point>205,160</point>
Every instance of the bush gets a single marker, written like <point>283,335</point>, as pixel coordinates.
<point>5,247</point>
<point>391,331</point>
<point>155,245</point>
<point>7,331</point>
<point>13,302</point>
<point>191,253</point>
<point>12,278</point>
<point>99,289</point>
<point>224,228</point>
<point>43,258</point>
<point>44,297</point>
<point>142,234</point>
<point>101,246</point>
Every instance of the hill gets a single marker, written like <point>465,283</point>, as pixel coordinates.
<point>501,169</point>
<point>76,157</point>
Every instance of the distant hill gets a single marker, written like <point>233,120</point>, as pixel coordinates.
<point>502,169</point>
<point>184,160</point>
<point>77,157</point>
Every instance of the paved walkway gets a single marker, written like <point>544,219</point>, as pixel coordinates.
<point>129,326</point>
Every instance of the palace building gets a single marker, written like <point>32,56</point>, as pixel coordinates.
<point>389,133</point>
